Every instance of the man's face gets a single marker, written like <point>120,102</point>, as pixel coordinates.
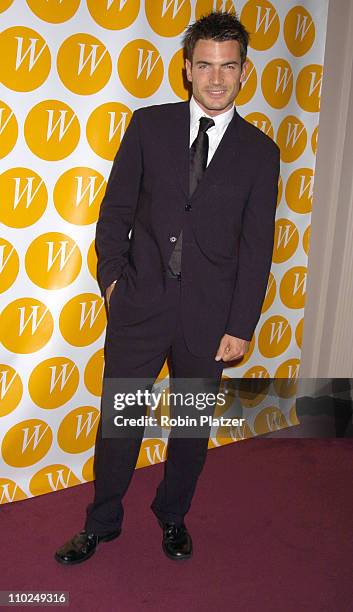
<point>215,74</point>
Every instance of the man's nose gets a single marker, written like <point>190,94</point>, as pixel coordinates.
<point>216,76</point>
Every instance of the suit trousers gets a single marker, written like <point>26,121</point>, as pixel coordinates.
<point>139,351</point>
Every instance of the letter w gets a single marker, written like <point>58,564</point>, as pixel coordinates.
<point>91,313</point>
<point>59,479</point>
<point>31,318</point>
<point>59,123</point>
<point>3,259</point>
<point>3,123</point>
<point>31,50</point>
<point>26,191</point>
<point>91,56</point>
<point>301,28</point>
<point>121,4</point>
<point>90,189</point>
<point>176,4</point>
<point>63,376</point>
<point>61,252</point>
<point>265,19</point>
<point>156,456</point>
<point>4,384</point>
<point>146,63</point>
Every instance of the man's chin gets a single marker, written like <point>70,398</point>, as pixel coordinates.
<point>218,105</point>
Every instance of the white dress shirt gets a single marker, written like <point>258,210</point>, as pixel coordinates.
<point>215,133</point>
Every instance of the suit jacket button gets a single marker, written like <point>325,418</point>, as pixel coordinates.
<point>172,238</point>
<point>188,207</point>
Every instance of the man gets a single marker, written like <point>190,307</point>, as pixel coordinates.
<point>190,282</point>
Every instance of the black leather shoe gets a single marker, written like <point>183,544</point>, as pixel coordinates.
<point>82,546</point>
<point>177,542</point>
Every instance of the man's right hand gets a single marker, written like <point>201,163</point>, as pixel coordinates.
<point>109,291</point>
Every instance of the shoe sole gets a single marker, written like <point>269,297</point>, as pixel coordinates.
<point>107,538</point>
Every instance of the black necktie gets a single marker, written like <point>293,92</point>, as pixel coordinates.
<point>199,153</point>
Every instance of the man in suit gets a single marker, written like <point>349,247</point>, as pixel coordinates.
<point>197,186</point>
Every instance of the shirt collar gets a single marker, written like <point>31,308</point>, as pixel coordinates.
<point>221,120</point>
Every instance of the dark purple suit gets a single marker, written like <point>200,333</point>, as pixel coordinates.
<point>228,231</point>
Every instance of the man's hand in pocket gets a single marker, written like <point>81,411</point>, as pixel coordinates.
<point>108,292</point>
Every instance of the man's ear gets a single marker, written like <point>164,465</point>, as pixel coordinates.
<point>244,70</point>
<point>188,70</point>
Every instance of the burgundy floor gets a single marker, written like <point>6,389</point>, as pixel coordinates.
<point>271,524</point>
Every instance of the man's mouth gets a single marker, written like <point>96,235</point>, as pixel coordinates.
<point>216,92</point>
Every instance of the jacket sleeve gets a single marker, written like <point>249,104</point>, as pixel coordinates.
<point>255,250</point>
<point>118,207</point>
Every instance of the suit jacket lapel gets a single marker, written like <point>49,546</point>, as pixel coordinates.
<point>180,142</point>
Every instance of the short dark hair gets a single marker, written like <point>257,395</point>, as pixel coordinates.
<point>217,26</point>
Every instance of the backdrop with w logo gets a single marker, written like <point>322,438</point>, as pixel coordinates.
<point>71,73</point>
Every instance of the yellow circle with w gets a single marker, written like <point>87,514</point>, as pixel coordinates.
<point>248,86</point>
<point>92,260</point>
<point>306,239</point>
<point>78,429</point>
<point>8,129</point>
<point>53,382</point>
<point>300,190</point>
<point>261,121</point>
<point>106,127</point>
<point>299,31</point>
<point>286,240</point>
<point>93,375</point>
<point>54,477</point>
<point>286,378</point>
<point>261,19</point>
<point>292,138</point>
<point>277,82</point>
<point>11,389</point>
<point>24,197</point>
<point>84,64</point>
<point>83,319</point>
<point>140,68</point>
<point>308,88</point>
<point>54,11</point>
<point>53,260</point>
<point>168,18</point>
<point>152,451</point>
<point>114,14</point>
<point>275,336</point>
<point>177,75</point>
<point>269,419</point>
<point>203,7</point>
<point>87,469</point>
<point>11,491</point>
<point>25,57</point>
<point>26,443</point>
<point>52,130</point>
<point>292,288</point>
<point>26,325</point>
<point>78,194</point>
<point>9,264</point>
<point>314,139</point>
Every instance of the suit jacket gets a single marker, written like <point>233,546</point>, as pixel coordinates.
<point>228,225</point>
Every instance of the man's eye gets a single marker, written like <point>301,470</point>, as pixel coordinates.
<point>231,66</point>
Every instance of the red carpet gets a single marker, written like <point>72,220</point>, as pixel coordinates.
<point>271,524</point>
